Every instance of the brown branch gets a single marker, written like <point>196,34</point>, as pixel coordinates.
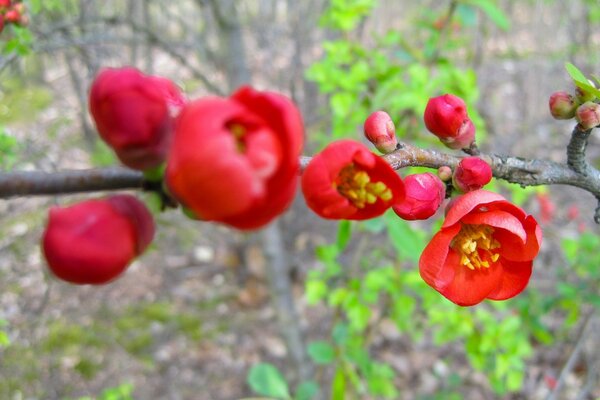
<point>525,172</point>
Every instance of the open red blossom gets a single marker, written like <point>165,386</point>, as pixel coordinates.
<point>93,242</point>
<point>347,181</point>
<point>446,117</point>
<point>424,195</point>
<point>485,249</point>
<point>236,160</point>
<point>131,112</point>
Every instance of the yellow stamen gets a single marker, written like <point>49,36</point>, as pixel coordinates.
<point>355,184</point>
<point>476,244</point>
<point>238,131</point>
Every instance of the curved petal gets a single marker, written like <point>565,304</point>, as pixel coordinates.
<point>497,219</point>
<point>515,277</point>
<point>514,249</point>
<point>433,258</point>
<point>468,202</point>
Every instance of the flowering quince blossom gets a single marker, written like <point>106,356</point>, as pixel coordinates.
<point>485,249</point>
<point>446,117</point>
<point>424,195</point>
<point>347,181</point>
<point>379,129</point>
<point>236,160</point>
<point>93,242</point>
<point>132,112</point>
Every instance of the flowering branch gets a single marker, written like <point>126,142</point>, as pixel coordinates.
<point>525,172</point>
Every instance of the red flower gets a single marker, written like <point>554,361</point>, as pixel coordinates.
<point>380,130</point>
<point>347,181</point>
<point>93,242</point>
<point>235,160</point>
<point>424,194</point>
<point>485,249</point>
<point>446,117</point>
<point>472,173</point>
<point>131,111</point>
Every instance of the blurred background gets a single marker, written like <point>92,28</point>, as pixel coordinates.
<point>308,308</point>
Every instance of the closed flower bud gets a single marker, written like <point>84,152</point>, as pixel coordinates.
<point>446,117</point>
<point>444,173</point>
<point>380,130</point>
<point>93,242</point>
<point>424,194</point>
<point>12,16</point>
<point>562,105</point>
<point>588,115</point>
<point>131,111</point>
<point>471,173</point>
<point>4,4</point>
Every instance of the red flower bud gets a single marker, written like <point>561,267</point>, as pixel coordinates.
<point>424,195</point>
<point>588,115</point>
<point>131,111</point>
<point>12,16</point>
<point>573,213</point>
<point>236,160</point>
<point>93,242</point>
<point>446,117</point>
<point>547,207</point>
<point>4,4</point>
<point>380,130</point>
<point>347,181</point>
<point>562,105</point>
<point>471,173</point>
<point>484,249</point>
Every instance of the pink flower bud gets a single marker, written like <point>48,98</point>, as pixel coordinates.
<point>471,173</point>
<point>588,115</point>
<point>131,111</point>
<point>424,194</point>
<point>4,4</point>
<point>444,173</point>
<point>446,117</point>
<point>562,105</point>
<point>93,242</point>
<point>547,207</point>
<point>380,130</point>
<point>573,213</point>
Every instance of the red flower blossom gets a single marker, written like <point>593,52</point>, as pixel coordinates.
<point>446,117</point>
<point>235,160</point>
<point>424,194</point>
<point>485,249</point>
<point>131,111</point>
<point>93,242</point>
<point>347,181</point>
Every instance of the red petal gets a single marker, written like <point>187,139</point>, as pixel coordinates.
<point>468,202</point>
<point>497,219</point>
<point>514,249</point>
<point>433,259</point>
<point>514,279</point>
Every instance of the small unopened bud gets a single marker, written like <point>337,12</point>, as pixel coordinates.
<point>471,173</point>
<point>424,194</point>
<point>12,16</point>
<point>380,130</point>
<point>446,117</point>
<point>444,173</point>
<point>573,213</point>
<point>588,115</point>
<point>562,105</point>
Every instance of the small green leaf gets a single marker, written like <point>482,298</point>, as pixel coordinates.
<point>266,380</point>
<point>307,390</point>
<point>492,11</point>
<point>338,386</point>
<point>315,291</point>
<point>575,73</point>
<point>321,352</point>
<point>344,234</point>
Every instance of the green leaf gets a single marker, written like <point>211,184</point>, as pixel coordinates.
<point>492,11</point>
<point>575,73</point>
<point>315,291</point>
<point>4,340</point>
<point>344,234</point>
<point>338,386</point>
<point>307,390</point>
<point>321,352</point>
<point>266,380</point>
<point>408,242</point>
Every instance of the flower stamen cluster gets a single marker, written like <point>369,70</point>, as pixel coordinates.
<point>470,241</point>
<point>355,184</point>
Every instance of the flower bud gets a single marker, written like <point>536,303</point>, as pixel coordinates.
<point>471,173</point>
<point>131,111</point>
<point>93,242</point>
<point>4,4</point>
<point>562,105</point>
<point>588,115</point>
<point>424,194</point>
<point>446,117</point>
<point>444,173</point>
<point>380,130</point>
<point>12,16</point>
